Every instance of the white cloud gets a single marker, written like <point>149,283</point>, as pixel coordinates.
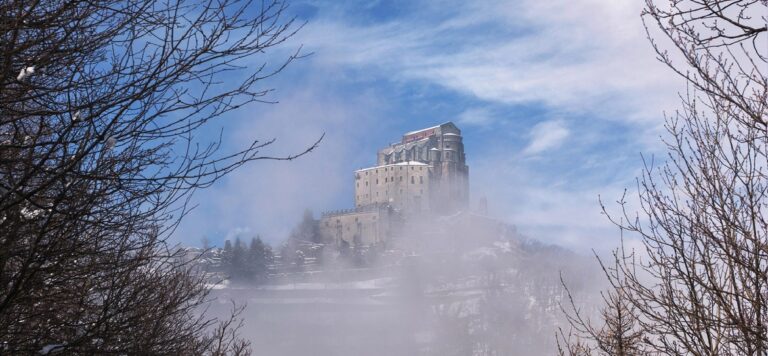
<point>594,57</point>
<point>476,117</point>
<point>268,197</point>
<point>546,135</point>
<point>552,210</point>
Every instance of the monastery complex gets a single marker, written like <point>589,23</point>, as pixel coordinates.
<point>423,176</point>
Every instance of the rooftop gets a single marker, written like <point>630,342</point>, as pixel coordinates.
<point>406,163</point>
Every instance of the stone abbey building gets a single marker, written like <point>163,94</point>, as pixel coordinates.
<point>422,176</point>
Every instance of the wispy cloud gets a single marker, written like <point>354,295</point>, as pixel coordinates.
<point>592,57</point>
<point>546,135</point>
<point>477,117</point>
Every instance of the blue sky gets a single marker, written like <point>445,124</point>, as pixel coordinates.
<point>556,100</point>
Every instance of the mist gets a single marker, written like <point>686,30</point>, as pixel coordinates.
<point>544,140</point>
<point>465,284</point>
<point>449,278</point>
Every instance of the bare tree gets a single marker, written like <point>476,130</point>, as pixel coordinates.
<point>701,287</point>
<point>617,334</point>
<point>101,104</point>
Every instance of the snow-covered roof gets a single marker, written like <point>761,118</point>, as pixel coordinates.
<point>420,130</point>
<point>409,163</point>
<point>430,128</point>
<point>405,163</point>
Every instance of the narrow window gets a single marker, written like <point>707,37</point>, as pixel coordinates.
<point>421,179</point>
<point>413,180</point>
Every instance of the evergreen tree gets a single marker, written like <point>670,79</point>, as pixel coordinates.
<point>308,229</point>
<point>286,254</point>
<point>239,260</point>
<point>226,258</point>
<point>258,260</point>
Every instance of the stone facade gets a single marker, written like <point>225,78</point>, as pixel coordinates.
<point>404,185</point>
<point>368,225</point>
<point>425,174</point>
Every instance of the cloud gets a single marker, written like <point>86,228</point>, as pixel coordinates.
<point>545,136</point>
<point>548,205</point>
<point>592,58</point>
<point>481,117</point>
<point>268,197</point>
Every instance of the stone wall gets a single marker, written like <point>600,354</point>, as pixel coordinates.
<point>372,225</point>
<point>405,186</point>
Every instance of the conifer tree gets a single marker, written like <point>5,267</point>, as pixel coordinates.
<point>239,270</point>
<point>258,260</point>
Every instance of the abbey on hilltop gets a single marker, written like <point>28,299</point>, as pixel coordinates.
<point>422,176</point>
